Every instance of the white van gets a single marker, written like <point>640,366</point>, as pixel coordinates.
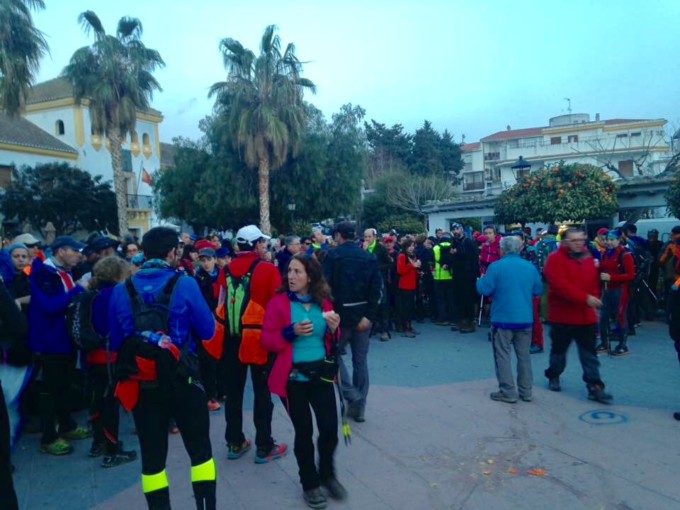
<point>663,225</point>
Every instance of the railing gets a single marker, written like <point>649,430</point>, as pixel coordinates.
<point>143,202</point>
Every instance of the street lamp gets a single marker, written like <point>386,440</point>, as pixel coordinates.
<point>519,167</point>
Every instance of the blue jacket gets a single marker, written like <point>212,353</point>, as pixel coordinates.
<point>188,310</point>
<point>47,332</point>
<point>513,283</point>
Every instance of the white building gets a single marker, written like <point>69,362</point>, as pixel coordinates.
<point>624,148</point>
<point>55,128</point>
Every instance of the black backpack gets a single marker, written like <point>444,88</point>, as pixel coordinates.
<point>152,316</point>
<point>79,322</point>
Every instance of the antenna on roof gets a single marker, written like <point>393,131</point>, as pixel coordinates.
<point>568,104</point>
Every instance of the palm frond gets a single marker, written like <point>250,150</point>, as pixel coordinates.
<point>89,21</point>
<point>129,28</point>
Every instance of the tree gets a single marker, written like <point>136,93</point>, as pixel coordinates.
<point>673,196</point>
<point>262,105</point>
<point>390,149</point>
<point>68,197</point>
<point>413,192</point>
<point>560,193</point>
<point>21,47</point>
<point>115,75</point>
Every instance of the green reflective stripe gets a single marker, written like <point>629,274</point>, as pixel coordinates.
<point>205,472</point>
<point>152,483</point>
<point>440,274</point>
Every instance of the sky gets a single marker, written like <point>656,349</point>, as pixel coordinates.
<point>473,67</point>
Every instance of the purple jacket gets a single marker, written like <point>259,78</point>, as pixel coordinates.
<point>277,317</point>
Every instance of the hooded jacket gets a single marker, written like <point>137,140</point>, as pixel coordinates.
<point>570,281</point>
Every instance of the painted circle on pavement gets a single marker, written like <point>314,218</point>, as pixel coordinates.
<point>603,417</point>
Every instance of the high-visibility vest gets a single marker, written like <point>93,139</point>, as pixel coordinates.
<point>441,274</point>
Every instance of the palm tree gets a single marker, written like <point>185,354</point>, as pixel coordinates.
<point>21,46</point>
<point>115,76</point>
<point>261,104</point>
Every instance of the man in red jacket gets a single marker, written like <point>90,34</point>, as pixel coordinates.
<point>573,301</point>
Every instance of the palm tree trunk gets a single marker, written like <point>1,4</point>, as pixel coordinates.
<point>119,183</point>
<point>263,187</point>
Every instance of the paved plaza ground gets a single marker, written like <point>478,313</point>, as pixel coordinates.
<point>434,440</point>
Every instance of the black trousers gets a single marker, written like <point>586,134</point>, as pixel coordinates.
<point>58,374</point>
<point>263,408</point>
<point>465,296</point>
<point>445,298</point>
<point>406,302</point>
<point>209,367</point>
<point>104,408</point>
<point>185,402</point>
<point>303,398</point>
<point>8,498</point>
<point>561,336</point>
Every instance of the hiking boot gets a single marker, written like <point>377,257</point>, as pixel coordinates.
<point>315,498</point>
<point>77,434</point>
<point>454,327</point>
<point>173,428</point>
<point>554,384</point>
<point>467,327</point>
<point>499,396</point>
<point>384,336</point>
<point>526,398</point>
<point>122,457</point>
<point>535,349</point>
<point>262,456</point>
<point>598,394</point>
<point>408,334</point>
<point>236,451</point>
<point>214,405</point>
<point>621,350</point>
<point>335,489</point>
<point>58,447</point>
<point>414,331</point>
<point>96,450</point>
<point>602,349</point>
<point>443,323</point>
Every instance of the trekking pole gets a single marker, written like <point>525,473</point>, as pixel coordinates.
<point>346,431</point>
<point>481,309</point>
<point>651,292</point>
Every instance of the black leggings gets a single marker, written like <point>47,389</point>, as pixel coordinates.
<point>104,408</point>
<point>406,303</point>
<point>320,397</point>
<point>8,498</point>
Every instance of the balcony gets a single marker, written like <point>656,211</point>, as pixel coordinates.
<point>140,202</point>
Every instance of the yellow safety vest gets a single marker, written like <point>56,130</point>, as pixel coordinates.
<point>440,273</point>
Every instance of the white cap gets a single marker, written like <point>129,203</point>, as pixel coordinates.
<point>26,239</point>
<point>250,234</point>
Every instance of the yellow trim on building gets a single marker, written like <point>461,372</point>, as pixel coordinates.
<point>69,101</point>
<point>149,117</point>
<point>35,150</point>
<point>158,141</point>
<point>79,126</point>
<point>635,125</point>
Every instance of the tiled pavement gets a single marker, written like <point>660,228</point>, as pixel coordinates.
<point>434,440</point>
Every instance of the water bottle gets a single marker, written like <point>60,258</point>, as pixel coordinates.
<point>155,337</point>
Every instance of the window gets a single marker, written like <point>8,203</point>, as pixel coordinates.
<point>473,181</point>
<point>492,174</point>
<point>572,139</point>
<point>522,173</point>
<point>637,133</point>
<point>622,135</point>
<point>145,139</point>
<point>59,127</point>
<point>626,168</point>
<point>492,156</point>
<point>134,137</point>
<point>527,142</point>
<point>555,140</point>
<point>126,156</point>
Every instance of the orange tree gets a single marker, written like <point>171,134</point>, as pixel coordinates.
<point>559,193</point>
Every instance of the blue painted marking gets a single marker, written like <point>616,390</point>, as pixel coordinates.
<point>603,417</point>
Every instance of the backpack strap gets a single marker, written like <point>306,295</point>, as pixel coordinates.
<point>166,294</point>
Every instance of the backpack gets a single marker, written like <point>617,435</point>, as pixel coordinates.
<point>79,322</point>
<point>154,316</point>
<point>245,318</point>
<point>641,257</point>
<point>544,248</point>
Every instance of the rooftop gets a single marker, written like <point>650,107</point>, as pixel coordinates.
<point>59,88</point>
<point>20,132</point>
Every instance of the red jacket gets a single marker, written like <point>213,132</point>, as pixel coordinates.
<point>266,279</point>
<point>570,281</point>
<point>408,273</point>
<point>620,266</point>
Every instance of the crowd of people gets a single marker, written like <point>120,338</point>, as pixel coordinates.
<point>168,329</point>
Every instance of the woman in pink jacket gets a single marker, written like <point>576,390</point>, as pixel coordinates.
<point>300,326</point>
